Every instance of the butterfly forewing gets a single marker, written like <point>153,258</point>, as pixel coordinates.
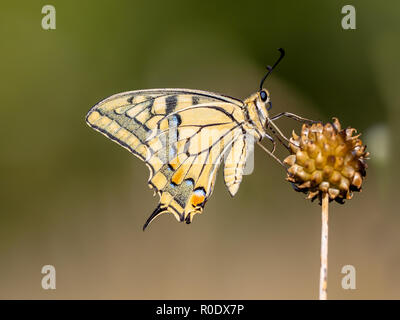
<point>182,135</point>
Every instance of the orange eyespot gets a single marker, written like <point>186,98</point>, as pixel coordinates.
<point>198,197</point>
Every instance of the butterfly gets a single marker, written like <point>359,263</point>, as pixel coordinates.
<point>183,135</point>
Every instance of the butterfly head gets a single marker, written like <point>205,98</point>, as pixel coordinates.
<point>263,99</point>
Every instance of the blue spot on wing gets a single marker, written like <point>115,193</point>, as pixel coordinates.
<point>200,192</point>
<point>189,182</point>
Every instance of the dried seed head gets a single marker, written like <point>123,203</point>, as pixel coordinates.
<point>326,158</point>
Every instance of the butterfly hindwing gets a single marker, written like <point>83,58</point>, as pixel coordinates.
<point>182,136</point>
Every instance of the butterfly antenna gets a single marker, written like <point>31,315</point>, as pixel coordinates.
<point>273,67</point>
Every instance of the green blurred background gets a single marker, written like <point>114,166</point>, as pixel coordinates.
<point>73,199</point>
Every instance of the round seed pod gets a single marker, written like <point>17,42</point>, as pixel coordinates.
<point>325,158</point>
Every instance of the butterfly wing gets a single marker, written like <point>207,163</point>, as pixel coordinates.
<point>182,135</point>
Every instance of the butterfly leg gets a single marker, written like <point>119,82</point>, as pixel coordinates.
<point>272,141</point>
<point>271,154</point>
<point>292,116</point>
<point>277,133</point>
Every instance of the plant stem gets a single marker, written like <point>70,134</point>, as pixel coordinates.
<point>323,280</point>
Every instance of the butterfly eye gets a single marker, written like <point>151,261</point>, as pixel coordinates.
<point>263,96</point>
